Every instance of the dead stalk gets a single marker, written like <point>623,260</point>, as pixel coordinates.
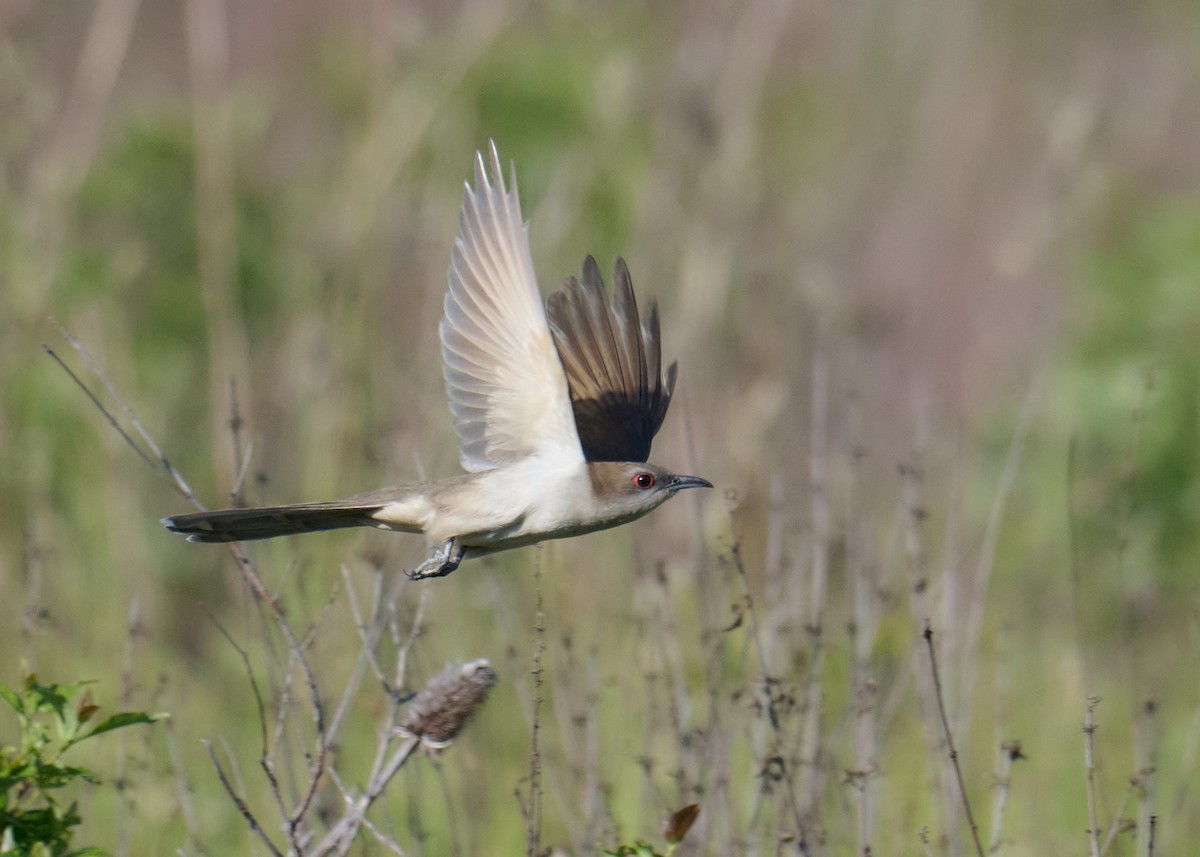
<point>1089,764</point>
<point>953,753</point>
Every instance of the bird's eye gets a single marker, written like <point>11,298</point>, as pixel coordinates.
<point>644,480</point>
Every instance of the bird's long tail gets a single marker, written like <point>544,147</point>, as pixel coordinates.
<point>235,525</point>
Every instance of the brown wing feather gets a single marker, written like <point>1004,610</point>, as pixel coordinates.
<point>613,364</point>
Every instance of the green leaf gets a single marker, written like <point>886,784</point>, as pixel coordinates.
<point>50,696</point>
<point>638,849</point>
<point>57,776</point>
<point>118,721</point>
<point>10,696</point>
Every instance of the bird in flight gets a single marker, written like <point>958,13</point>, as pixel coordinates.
<point>555,407</point>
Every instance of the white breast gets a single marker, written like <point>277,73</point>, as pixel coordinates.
<point>523,501</point>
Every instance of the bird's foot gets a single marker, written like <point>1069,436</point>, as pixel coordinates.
<point>440,563</point>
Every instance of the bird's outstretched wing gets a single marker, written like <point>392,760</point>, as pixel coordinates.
<point>503,378</point>
<point>619,389</point>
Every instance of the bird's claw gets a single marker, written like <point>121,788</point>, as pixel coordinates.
<point>440,563</point>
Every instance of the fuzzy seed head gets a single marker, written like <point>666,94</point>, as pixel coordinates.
<point>443,707</point>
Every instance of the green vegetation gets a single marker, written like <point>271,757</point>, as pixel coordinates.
<point>51,719</point>
<point>933,282</point>
<point>674,829</point>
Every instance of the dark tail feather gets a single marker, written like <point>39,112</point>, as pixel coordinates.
<point>236,525</point>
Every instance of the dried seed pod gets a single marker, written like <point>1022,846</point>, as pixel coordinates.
<point>446,703</point>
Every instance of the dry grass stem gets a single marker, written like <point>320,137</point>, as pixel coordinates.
<point>949,737</point>
<point>1089,766</point>
<point>183,789</point>
<point>926,845</point>
<point>863,628</point>
<point>977,597</point>
<point>532,807</point>
<point>918,584</point>
<point>1010,751</point>
<point>208,54</point>
<point>776,704</point>
<point>1145,781</point>
<point>811,729</point>
<point>1119,823</point>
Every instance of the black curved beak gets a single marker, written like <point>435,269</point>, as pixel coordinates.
<point>678,483</point>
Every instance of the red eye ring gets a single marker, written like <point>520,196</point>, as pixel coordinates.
<point>644,480</point>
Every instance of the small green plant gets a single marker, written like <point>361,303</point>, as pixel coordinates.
<point>674,829</point>
<point>51,719</point>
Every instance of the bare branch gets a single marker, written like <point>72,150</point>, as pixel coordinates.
<point>962,786</point>
<point>174,476</point>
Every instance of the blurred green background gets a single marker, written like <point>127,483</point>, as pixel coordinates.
<point>931,272</point>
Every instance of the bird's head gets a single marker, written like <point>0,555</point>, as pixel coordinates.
<point>626,490</point>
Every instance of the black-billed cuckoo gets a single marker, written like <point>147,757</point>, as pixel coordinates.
<point>554,408</point>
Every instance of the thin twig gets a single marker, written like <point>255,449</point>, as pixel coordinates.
<point>343,833</point>
<point>382,838</point>
<point>453,823</point>
<point>913,518</point>
<point>95,401</point>
<point>238,802</point>
<point>242,457</point>
<point>977,599</point>
<point>384,766</point>
<point>1186,770</point>
<point>863,630</point>
<point>404,647</point>
<point>368,635</point>
<point>319,758</point>
<point>249,572</point>
<point>810,729</point>
<point>266,755</point>
<point>133,630</point>
<point>1073,542</point>
<point>962,786</point>
<point>925,844</point>
<point>368,639</point>
<point>1119,823</point>
<point>1089,763</point>
<point>533,818</point>
<point>183,791</point>
<point>786,772</point>
<point>1145,781</point>
<point>174,476</point>
<point>235,768</point>
<point>1010,751</point>
<point>245,657</point>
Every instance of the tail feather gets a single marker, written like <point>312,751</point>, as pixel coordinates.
<point>236,525</point>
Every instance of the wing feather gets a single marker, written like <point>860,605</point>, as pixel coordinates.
<point>506,386</point>
<point>619,393</point>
